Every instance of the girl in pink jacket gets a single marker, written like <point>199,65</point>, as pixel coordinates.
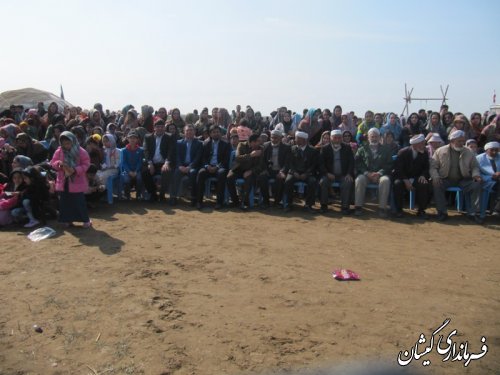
<point>71,163</point>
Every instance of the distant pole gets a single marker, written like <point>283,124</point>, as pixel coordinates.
<point>408,97</point>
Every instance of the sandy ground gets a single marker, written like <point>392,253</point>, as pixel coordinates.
<point>155,290</point>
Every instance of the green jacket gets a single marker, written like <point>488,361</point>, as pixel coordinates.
<point>366,162</point>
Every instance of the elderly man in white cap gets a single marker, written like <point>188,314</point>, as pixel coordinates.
<point>374,166</point>
<point>489,164</point>
<point>411,173</point>
<point>274,157</point>
<point>302,167</point>
<point>336,165</point>
<point>454,165</point>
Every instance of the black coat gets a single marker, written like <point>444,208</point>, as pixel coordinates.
<point>196,150</point>
<point>283,156</point>
<point>168,148</point>
<point>346,160</point>
<point>405,167</point>
<point>306,163</point>
<point>223,153</point>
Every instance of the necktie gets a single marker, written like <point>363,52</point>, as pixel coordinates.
<point>188,152</point>
<point>493,165</point>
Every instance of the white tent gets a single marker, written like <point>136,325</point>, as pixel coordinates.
<point>29,98</point>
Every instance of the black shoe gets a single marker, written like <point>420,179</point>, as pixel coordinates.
<point>199,206</point>
<point>287,208</point>
<point>264,206</point>
<point>193,202</point>
<point>382,213</point>
<point>399,214</point>
<point>475,219</point>
<point>218,206</point>
<point>358,211</point>
<point>309,209</point>
<point>442,216</point>
<point>346,211</point>
<point>324,208</point>
<point>422,215</point>
<point>172,201</point>
<point>153,198</point>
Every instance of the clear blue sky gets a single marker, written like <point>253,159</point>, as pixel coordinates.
<point>191,54</point>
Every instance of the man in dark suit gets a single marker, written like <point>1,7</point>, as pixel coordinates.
<point>247,165</point>
<point>302,167</point>
<point>214,161</point>
<point>274,164</point>
<point>411,173</point>
<point>189,152</point>
<point>160,155</point>
<point>336,165</point>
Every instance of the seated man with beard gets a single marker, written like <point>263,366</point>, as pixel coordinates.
<point>454,165</point>
<point>336,165</point>
<point>489,163</point>
<point>274,160</point>
<point>411,173</point>
<point>302,167</point>
<point>374,165</point>
<point>247,166</point>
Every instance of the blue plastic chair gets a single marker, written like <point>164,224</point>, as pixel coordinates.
<point>459,196</point>
<point>251,194</point>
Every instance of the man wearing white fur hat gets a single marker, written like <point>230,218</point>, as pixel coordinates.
<point>455,165</point>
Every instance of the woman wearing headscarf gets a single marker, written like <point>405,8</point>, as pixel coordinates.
<point>413,127</point>
<point>9,133</point>
<point>71,163</point>
<point>368,123</point>
<point>111,158</point>
<point>348,125</point>
<point>224,119</point>
<point>491,133</point>
<point>436,126</point>
<point>80,133</point>
<point>96,119</point>
<point>147,118</point>
<point>475,125</point>
<point>177,120</point>
<point>336,117</point>
<point>203,123</point>
<point>54,142</point>
<point>51,112</point>
<point>311,126</point>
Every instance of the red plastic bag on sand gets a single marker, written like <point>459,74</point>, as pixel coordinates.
<point>344,275</point>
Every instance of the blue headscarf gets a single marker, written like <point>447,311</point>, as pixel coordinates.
<point>70,156</point>
<point>310,114</point>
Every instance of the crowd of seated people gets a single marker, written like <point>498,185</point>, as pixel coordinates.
<point>248,160</point>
